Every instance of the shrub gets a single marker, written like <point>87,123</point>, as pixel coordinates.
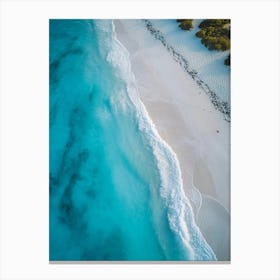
<point>185,24</point>
<point>227,60</point>
<point>213,22</point>
<point>214,35</point>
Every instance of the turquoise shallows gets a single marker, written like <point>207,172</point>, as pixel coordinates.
<point>115,185</point>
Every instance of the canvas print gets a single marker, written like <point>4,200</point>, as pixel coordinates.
<point>139,140</point>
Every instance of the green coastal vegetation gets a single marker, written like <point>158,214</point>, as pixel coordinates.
<point>227,60</point>
<point>185,24</point>
<point>214,33</point>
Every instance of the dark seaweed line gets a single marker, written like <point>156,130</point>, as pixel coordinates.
<point>220,105</point>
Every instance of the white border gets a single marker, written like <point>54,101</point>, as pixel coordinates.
<point>255,138</point>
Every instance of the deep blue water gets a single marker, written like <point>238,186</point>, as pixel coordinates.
<point>115,185</point>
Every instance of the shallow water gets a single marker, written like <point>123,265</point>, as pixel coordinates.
<point>115,185</point>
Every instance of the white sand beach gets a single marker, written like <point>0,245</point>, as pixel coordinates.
<point>187,120</point>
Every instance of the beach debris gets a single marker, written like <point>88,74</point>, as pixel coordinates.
<point>218,104</point>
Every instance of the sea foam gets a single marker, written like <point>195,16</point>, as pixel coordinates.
<point>115,185</point>
<point>179,211</point>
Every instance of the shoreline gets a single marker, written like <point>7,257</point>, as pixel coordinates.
<point>200,138</point>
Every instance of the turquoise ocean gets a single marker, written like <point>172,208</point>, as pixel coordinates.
<point>115,185</point>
